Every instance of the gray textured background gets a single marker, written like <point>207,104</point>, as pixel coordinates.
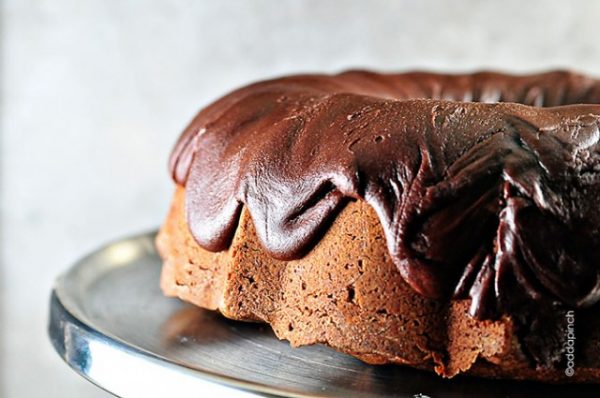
<point>94,94</point>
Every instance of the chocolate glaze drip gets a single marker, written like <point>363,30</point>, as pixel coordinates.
<point>497,202</point>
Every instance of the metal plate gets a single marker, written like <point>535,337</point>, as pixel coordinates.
<point>110,322</point>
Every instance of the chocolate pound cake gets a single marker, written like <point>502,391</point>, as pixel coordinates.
<point>446,222</point>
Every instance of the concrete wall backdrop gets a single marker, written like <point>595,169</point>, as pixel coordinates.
<point>94,94</point>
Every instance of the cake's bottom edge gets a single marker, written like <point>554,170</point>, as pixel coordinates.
<point>347,294</point>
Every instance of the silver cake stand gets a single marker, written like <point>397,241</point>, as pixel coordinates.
<point>111,324</point>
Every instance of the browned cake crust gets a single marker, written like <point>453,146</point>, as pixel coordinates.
<point>348,294</point>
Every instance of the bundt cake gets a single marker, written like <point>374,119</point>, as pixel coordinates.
<point>445,222</point>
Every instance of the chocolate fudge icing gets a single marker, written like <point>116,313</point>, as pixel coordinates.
<point>487,185</point>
